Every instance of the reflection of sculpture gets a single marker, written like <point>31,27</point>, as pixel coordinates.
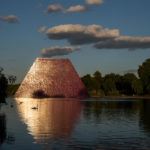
<point>2,128</point>
<point>52,78</point>
<point>53,118</point>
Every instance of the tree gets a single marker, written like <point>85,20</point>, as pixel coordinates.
<point>87,80</point>
<point>144,74</point>
<point>97,81</point>
<point>137,87</point>
<point>12,79</point>
<point>3,86</point>
<point>131,84</point>
<point>109,84</point>
<point>97,76</point>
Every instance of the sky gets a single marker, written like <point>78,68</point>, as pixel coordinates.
<point>105,35</point>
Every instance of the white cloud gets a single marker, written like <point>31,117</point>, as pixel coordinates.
<point>101,37</point>
<point>55,8</point>
<point>76,8</point>
<point>57,51</point>
<point>94,2</point>
<point>81,34</point>
<point>125,42</point>
<point>9,19</point>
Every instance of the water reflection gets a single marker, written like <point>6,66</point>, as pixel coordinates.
<point>49,118</point>
<point>2,99</point>
<point>110,109</point>
<point>72,124</point>
<point>2,128</point>
<point>145,116</point>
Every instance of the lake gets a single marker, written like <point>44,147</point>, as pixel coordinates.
<point>68,124</point>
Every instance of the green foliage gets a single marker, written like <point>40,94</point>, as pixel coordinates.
<point>131,84</point>
<point>115,84</point>
<point>137,87</point>
<point>87,79</point>
<point>109,84</point>
<point>144,74</point>
<point>93,83</point>
<point>97,80</point>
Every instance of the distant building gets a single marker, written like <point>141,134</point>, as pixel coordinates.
<point>52,78</point>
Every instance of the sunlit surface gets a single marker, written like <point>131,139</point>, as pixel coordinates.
<point>73,124</point>
<point>49,118</point>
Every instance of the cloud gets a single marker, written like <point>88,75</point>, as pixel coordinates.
<point>76,8</point>
<point>57,51</point>
<point>80,34</point>
<point>94,2</point>
<point>125,42</point>
<point>42,29</point>
<point>9,19</point>
<point>55,8</point>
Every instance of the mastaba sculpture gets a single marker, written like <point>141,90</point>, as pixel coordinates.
<point>52,78</point>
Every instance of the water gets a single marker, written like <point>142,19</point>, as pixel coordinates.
<point>30,124</point>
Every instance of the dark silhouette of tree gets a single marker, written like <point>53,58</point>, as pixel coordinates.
<point>144,74</point>
<point>3,86</point>
<point>109,84</point>
<point>88,81</point>
<point>97,81</point>
<point>131,84</point>
<point>137,87</point>
<point>12,79</point>
<point>97,76</point>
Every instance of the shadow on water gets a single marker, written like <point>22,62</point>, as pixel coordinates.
<point>145,116</point>
<point>110,108</point>
<point>3,134</point>
<point>2,99</point>
<point>52,118</point>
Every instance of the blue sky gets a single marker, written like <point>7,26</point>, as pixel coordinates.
<point>21,43</point>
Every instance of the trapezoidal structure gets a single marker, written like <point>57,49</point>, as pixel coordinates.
<point>52,78</point>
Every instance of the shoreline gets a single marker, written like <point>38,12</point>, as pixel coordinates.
<point>122,97</point>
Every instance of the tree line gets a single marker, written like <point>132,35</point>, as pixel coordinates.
<point>115,84</point>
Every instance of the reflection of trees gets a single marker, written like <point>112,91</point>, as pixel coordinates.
<point>2,99</point>
<point>92,108</point>
<point>2,128</point>
<point>109,109</point>
<point>145,116</point>
<point>53,118</point>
